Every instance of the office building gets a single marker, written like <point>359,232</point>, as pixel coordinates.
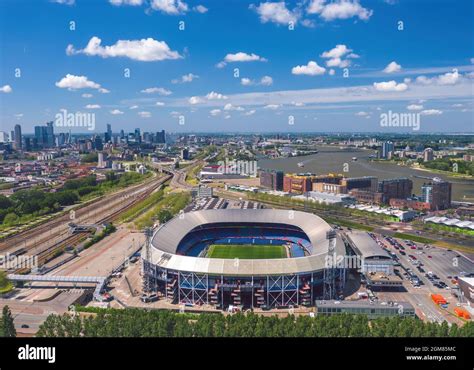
<point>386,150</point>
<point>185,153</point>
<point>329,188</point>
<point>437,193</point>
<point>366,196</point>
<point>298,184</point>
<point>44,135</point>
<point>161,137</point>
<point>400,188</point>
<point>366,183</point>
<point>18,138</point>
<point>271,179</point>
<point>428,155</point>
<point>3,137</point>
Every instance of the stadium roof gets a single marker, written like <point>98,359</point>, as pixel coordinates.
<point>366,245</point>
<point>166,240</point>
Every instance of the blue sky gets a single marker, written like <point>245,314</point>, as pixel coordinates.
<point>291,59</point>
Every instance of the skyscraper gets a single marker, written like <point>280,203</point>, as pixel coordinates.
<point>50,134</point>
<point>18,138</point>
<point>161,137</point>
<point>386,150</point>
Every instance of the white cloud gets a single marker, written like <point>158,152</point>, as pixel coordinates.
<point>247,81</point>
<point>116,112</point>
<point>272,106</point>
<point>240,57</point>
<point>311,69</point>
<point>144,114</point>
<point>275,12</point>
<point>415,107</point>
<point>336,52</point>
<point>266,81</point>
<point>215,112</point>
<point>390,86</point>
<point>173,7</point>
<point>392,67</point>
<point>335,55</point>
<point>315,6</point>
<point>308,23</point>
<point>133,107</point>
<point>339,9</point>
<point>449,78</point>
<point>431,112</point>
<point>338,62</point>
<point>362,114</point>
<point>6,89</point>
<point>332,72</point>
<point>19,115</point>
<point>317,98</point>
<point>243,57</point>
<point>156,90</point>
<point>144,50</point>
<point>200,9</point>
<point>73,82</point>
<point>103,91</point>
<point>185,78</point>
<point>215,96</point>
<point>126,2</point>
<point>195,100</point>
<point>250,112</point>
<point>87,96</point>
<point>423,80</point>
<point>64,2</point>
<point>227,116</point>
<point>229,107</point>
<point>159,104</point>
<point>92,106</point>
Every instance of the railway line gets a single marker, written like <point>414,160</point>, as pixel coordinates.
<point>56,228</point>
<point>45,253</point>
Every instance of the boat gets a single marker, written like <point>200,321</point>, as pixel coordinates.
<point>354,159</point>
<point>300,164</point>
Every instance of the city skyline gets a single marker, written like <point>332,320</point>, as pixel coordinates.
<point>154,75</point>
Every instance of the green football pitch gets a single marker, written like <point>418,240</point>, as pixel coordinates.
<point>246,251</point>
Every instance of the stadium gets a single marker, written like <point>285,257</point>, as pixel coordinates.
<point>247,258</point>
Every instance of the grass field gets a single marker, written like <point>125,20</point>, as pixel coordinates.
<point>246,251</point>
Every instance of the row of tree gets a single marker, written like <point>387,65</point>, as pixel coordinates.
<point>450,164</point>
<point>142,323</point>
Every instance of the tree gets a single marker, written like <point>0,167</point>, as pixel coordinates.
<point>164,216</point>
<point>10,219</point>
<point>4,282</point>
<point>8,328</point>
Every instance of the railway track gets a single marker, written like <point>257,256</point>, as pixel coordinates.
<point>57,227</point>
<point>49,253</point>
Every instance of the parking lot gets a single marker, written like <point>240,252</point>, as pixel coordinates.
<point>427,270</point>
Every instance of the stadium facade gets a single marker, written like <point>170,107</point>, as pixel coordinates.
<point>176,264</point>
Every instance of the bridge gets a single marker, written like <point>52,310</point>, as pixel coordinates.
<point>76,280</point>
